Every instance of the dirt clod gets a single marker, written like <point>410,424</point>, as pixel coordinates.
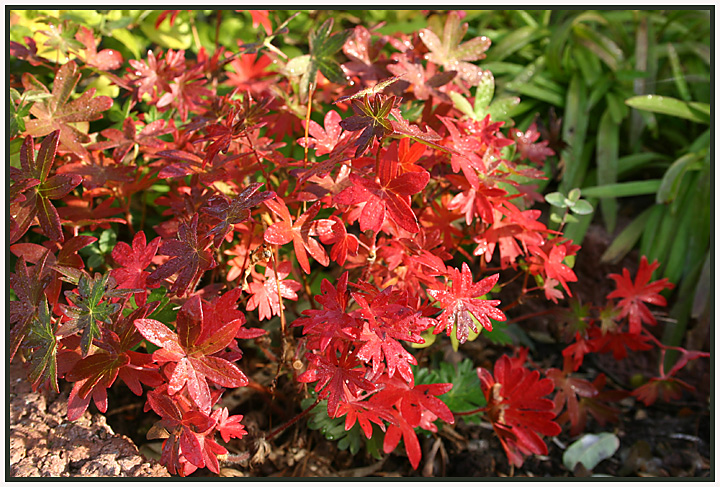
<point>44,444</point>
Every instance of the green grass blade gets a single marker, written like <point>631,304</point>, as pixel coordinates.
<point>628,164</point>
<point>626,240</point>
<point>575,123</point>
<point>651,228</point>
<point>678,75</point>
<point>694,111</point>
<point>673,177</point>
<point>620,190</point>
<point>515,41</point>
<point>607,156</point>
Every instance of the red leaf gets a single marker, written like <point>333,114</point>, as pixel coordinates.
<point>364,413</point>
<point>28,285</point>
<point>191,349</point>
<point>134,261</point>
<point>399,428</point>
<point>337,378</point>
<point>36,202</point>
<point>528,148</point>
<point>299,232</point>
<point>461,301</point>
<point>634,295</point>
<point>667,388</point>
<point>191,258</point>
<point>517,409</point>
<point>386,195</point>
<point>326,325</point>
<point>228,427</point>
<point>233,212</point>
<point>553,265</point>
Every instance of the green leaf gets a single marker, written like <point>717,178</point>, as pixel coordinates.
<point>590,450</point>
<point>107,241</point>
<point>651,227</point>
<point>465,395</point>
<point>322,47</point>
<point>463,105</point>
<point>600,45</point>
<point>88,309</point>
<point>500,110</point>
<point>701,300</point>
<point>694,111</point>
<point>556,199</point>
<point>499,334</point>
<point>42,349</point>
<point>542,94</point>
<point>334,428</point>
<point>618,110</point>
<point>588,63</point>
<point>484,91</point>
<point>582,207</point>
<point>632,162</point>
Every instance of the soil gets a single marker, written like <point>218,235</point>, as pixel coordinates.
<point>663,440</point>
<point>44,444</point>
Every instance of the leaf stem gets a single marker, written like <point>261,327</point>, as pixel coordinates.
<point>471,412</point>
<point>307,127</point>
<point>285,426</point>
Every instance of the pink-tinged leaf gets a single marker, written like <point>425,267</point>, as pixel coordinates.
<point>58,113</point>
<point>278,234</point>
<point>451,53</point>
<point>189,323</point>
<point>228,427</point>
<point>220,371</point>
<point>159,334</point>
<point>59,185</point>
<point>49,220</point>
<point>300,232</point>
<point>107,59</point>
<point>265,291</point>
<point>221,337</point>
<point>325,140</point>
<point>191,258</point>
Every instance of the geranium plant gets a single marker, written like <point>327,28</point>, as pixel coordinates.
<point>337,202</point>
